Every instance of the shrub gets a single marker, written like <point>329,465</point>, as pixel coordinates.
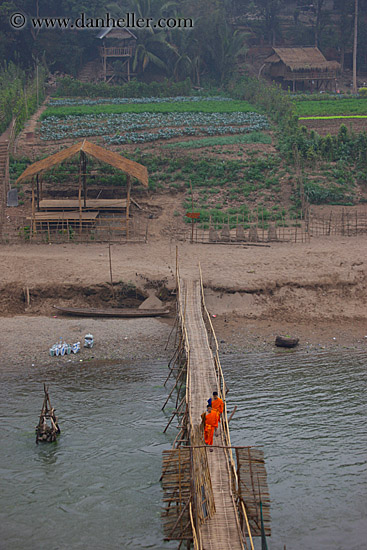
<point>18,95</point>
<point>68,87</point>
<point>317,194</point>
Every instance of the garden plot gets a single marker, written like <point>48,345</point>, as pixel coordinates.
<point>324,126</point>
<point>331,107</point>
<point>326,115</point>
<point>79,121</point>
<point>55,102</point>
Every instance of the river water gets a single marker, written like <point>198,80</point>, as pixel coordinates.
<point>98,487</point>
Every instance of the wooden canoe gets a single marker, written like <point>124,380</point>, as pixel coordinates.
<point>111,312</point>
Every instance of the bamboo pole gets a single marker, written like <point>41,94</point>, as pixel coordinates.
<point>356,222</point>
<point>177,381</point>
<point>33,224</point>
<point>174,414</point>
<point>128,192</point>
<point>110,262</point>
<point>192,210</point>
<point>84,176</point>
<point>331,215</point>
<point>80,197</point>
<point>38,193</point>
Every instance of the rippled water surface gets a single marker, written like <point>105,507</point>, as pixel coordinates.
<point>98,487</point>
<point>309,413</point>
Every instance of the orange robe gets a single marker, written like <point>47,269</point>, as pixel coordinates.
<point>218,406</point>
<point>211,422</point>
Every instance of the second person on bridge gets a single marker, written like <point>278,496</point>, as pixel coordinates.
<point>211,423</point>
<point>217,404</point>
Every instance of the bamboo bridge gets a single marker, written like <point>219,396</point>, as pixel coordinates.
<point>210,499</point>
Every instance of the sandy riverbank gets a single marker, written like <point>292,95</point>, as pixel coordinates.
<point>25,340</point>
<point>325,280</point>
<point>316,291</point>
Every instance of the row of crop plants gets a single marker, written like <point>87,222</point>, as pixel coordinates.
<point>331,108</point>
<point>136,123</point>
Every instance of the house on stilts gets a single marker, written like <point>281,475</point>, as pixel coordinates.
<point>118,44</point>
<point>301,68</point>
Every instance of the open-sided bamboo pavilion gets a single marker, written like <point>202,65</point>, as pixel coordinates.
<point>81,209</point>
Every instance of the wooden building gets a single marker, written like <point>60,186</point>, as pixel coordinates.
<point>305,65</point>
<point>117,44</point>
<point>82,211</point>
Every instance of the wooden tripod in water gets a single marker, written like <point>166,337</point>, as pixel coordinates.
<point>47,432</point>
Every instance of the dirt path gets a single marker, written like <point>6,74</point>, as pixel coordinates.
<point>26,141</point>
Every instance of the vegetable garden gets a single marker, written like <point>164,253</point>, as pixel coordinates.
<point>140,121</point>
<point>331,107</point>
<point>249,186</point>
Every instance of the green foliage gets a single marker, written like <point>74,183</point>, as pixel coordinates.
<point>254,137</point>
<point>344,106</point>
<point>317,194</point>
<point>151,119</point>
<point>203,106</point>
<point>270,98</point>
<point>68,87</point>
<point>18,95</point>
<point>345,146</point>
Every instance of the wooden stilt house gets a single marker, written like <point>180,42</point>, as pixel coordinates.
<point>305,65</point>
<point>118,44</point>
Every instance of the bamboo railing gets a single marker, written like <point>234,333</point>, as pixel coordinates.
<point>200,468</point>
<point>195,509</point>
<point>213,342</point>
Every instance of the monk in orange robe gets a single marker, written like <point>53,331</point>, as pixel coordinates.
<point>217,404</point>
<point>211,422</point>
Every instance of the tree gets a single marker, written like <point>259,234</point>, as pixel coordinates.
<point>355,46</point>
<point>270,10</point>
<point>345,9</point>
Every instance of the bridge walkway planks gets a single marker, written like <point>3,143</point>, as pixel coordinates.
<point>222,531</point>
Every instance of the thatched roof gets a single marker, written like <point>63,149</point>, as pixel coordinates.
<point>127,166</point>
<point>302,59</point>
<point>119,32</point>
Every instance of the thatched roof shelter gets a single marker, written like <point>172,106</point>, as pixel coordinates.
<point>127,166</point>
<point>34,171</point>
<point>301,64</point>
<point>302,59</point>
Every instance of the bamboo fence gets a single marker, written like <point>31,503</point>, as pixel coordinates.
<point>339,222</point>
<point>253,487</point>
<point>104,228</point>
<point>176,484</point>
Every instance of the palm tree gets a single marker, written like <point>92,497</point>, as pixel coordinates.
<point>152,46</point>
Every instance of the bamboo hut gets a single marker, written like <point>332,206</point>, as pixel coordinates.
<point>81,209</point>
<point>306,65</point>
<point>118,44</point>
